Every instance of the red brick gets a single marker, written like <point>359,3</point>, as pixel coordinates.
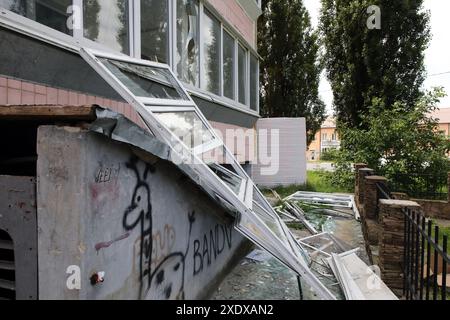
<point>3,95</point>
<point>52,95</point>
<point>14,84</point>
<point>40,99</point>
<point>73,98</point>
<point>14,96</point>
<point>40,89</point>
<point>27,97</point>
<point>90,99</point>
<point>82,99</point>
<point>63,97</point>
<point>26,86</point>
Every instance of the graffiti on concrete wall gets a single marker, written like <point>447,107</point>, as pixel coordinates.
<point>209,247</point>
<point>163,279</point>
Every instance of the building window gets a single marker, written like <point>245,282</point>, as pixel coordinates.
<point>106,22</point>
<point>254,82</point>
<point>324,136</point>
<point>155,30</point>
<point>211,53</point>
<point>53,14</point>
<point>228,65</point>
<point>242,74</point>
<point>182,33</point>
<point>334,136</point>
<point>187,55</point>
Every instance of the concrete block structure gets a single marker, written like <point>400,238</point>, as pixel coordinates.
<point>80,204</point>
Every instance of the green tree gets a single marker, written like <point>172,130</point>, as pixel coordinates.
<point>362,63</point>
<point>290,68</point>
<point>410,145</point>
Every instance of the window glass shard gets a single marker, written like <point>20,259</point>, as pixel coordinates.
<point>216,170</point>
<point>145,81</point>
<point>187,127</point>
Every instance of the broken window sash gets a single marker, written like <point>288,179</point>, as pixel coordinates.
<point>134,80</point>
<point>145,81</point>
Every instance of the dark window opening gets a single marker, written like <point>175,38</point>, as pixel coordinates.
<point>18,145</point>
<point>7,267</point>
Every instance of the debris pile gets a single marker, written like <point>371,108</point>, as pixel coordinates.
<point>334,262</point>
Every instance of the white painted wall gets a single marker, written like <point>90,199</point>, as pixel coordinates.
<point>286,145</point>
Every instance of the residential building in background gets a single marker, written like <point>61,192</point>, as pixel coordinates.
<point>327,138</point>
<point>443,117</point>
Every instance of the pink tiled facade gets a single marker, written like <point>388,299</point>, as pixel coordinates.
<point>16,92</point>
<point>243,150</point>
<point>236,16</point>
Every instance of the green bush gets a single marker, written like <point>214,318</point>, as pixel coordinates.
<point>329,155</point>
<point>397,144</point>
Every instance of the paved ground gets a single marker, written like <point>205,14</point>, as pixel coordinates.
<point>317,166</point>
<point>268,280</point>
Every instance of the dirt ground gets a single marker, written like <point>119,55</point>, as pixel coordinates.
<point>271,280</point>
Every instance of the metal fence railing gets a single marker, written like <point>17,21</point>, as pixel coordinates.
<point>425,259</point>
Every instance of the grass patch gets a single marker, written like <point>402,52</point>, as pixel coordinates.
<point>443,231</point>
<point>317,181</point>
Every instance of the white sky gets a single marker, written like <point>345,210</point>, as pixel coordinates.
<point>437,57</point>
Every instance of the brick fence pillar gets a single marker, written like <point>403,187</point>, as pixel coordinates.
<point>357,167</point>
<point>370,200</point>
<point>391,242</point>
<point>362,173</point>
<point>448,184</point>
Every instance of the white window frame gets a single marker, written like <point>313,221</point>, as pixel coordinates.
<point>161,131</point>
<point>247,220</point>
<point>77,40</point>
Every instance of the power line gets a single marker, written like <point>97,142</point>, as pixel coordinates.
<point>438,74</point>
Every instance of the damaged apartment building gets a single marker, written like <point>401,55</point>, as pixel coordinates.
<point>115,181</point>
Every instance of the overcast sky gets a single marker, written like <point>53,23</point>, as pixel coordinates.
<point>437,58</point>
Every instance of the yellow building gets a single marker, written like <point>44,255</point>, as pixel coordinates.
<point>325,139</point>
<point>443,116</point>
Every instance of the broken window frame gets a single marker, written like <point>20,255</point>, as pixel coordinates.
<point>247,222</point>
<point>143,106</point>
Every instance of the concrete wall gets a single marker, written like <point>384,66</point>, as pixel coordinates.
<point>153,233</point>
<point>285,152</point>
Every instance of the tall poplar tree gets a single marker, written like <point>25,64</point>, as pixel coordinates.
<point>365,63</point>
<point>290,68</point>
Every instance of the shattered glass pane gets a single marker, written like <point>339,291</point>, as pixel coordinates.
<point>146,81</point>
<point>230,178</point>
<point>187,126</point>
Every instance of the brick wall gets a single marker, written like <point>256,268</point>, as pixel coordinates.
<point>17,92</point>
<point>236,16</point>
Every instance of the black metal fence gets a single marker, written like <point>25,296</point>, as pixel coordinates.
<point>425,259</point>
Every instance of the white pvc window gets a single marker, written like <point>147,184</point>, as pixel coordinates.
<point>211,36</point>
<point>154,30</point>
<point>187,44</point>
<point>229,60</point>
<point>221,174</point>
<point>167,31</point>
<point>53,14</point>
<point>107,22</point>
<point>242,74</point>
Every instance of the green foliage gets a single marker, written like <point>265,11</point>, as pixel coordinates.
<point>317,181</point>
<point>290,68</point>
<point>329,155</point>
<point>362,64</point>
<point>398,142</point>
